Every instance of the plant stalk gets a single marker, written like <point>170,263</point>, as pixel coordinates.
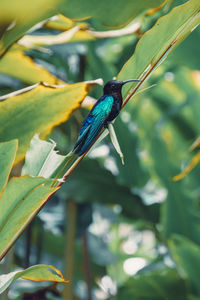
<point>71,212</point>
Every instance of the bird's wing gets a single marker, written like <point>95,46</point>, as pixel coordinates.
<point>93,124</point>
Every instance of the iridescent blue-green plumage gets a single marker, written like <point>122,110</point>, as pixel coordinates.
<point>103,112</point>
<point>93,124</point>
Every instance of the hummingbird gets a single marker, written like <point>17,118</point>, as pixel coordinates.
<point>105,110</point>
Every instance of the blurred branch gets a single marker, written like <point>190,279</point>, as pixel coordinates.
<point>28,245</point>
<point>71,212</point>
<point>86,266</point>
<point>39,242</point>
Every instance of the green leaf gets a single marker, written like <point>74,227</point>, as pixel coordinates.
<point>161,39</point>
<point>7,157</point>
<point>187,256</point>
<point>23,15</point>
<point>157,285</point>
<point>35,273</point>
<point>20,202</point>
<point>42,160</point>
<point>38,111</point>
<point>109,13</point>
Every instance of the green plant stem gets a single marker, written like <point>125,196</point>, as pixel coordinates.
<point>71,212</point>
<point>71,169</point>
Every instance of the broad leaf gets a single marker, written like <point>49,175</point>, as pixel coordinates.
<point>109,13</point>
<point>20,202</point>
<point>35,273</point>
<point>38,111</point>
<point>42,159</point>
<point>7,157</point>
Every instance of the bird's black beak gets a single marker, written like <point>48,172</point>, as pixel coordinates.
<point>130,80</point>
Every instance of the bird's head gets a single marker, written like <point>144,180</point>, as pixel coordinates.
<point>114,86</point>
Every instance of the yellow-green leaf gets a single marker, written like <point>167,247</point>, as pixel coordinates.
<point>38,111</point>
<point>23,15</point>
<point>35,273</point>
<point>63,23</point>
<point>59,22</point>
<point>20,202</point>
<point>7,157</point>
<point>15,63</point>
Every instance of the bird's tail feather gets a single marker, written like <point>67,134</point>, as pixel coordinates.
<point>86,139</point>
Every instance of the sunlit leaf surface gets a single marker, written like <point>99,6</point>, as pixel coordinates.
<point>38,111</point>
<point>7,157</point>
<point>112,13</point>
